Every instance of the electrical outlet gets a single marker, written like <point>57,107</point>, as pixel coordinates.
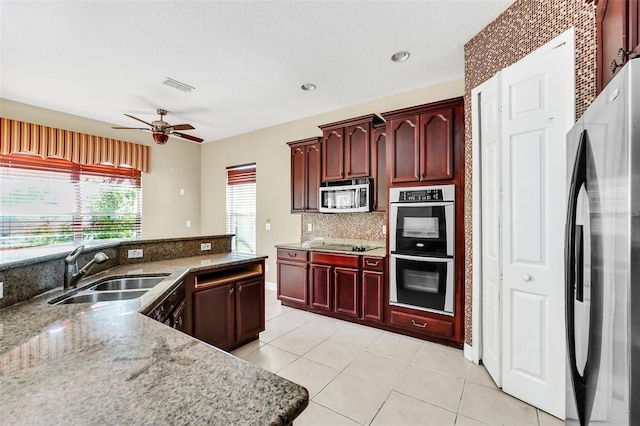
<point>309,227</point>
<point>266,267</point>
<point>267,226</point>
<point>188,224</point>
<point>384,229</point>
<point>135,254</point>
<point>1,290</point>
<point>205,246</point>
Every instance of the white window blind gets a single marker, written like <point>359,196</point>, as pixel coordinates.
<point>56,201</point>
<point>241,207</point>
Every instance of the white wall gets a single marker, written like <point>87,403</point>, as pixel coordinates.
<point>173,166</point>
<point>268,149</point>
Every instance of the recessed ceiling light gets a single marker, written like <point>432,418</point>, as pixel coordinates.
<point>308,87</point>
<point>400,56</point>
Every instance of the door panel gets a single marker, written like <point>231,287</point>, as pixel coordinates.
<point>538,110</point>
<point>527,178</point>
<point>357,148</point>
<point>437,145</point>
<point>346,291</point>
<point>404,149</point>
<point>527,348</point>
<point>333,155</point>
<point>320,277</point>
<point>489,118</point>
<point>313,175</point>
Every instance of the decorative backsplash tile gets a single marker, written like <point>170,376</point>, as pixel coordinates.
<point>522,28</point>
<point>350,226</point>
<point>29,279</point>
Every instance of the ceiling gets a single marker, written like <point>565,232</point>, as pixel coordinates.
<point>246,59</point>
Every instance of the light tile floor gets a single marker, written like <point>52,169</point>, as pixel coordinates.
<point>358,375</point>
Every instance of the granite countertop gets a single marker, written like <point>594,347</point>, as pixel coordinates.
<point>380,249</point>
<point>108,364</point>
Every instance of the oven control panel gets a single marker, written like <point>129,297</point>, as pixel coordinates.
<point>421,195</point>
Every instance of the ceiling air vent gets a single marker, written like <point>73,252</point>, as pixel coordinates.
<point>177,85</point>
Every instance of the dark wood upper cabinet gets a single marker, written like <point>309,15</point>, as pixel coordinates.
<point>305,174</point>
<point>421,140</point>
<point>379,164</point>
<point>346,148</point>
<point>618,37</point>
<point>436,145</point>
<point>357,151</point>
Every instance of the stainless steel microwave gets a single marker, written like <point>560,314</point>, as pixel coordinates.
<point>352,196</point>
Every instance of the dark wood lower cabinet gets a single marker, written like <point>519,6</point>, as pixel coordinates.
<point>345,290</point>
<point>226,305</point>
<point>372,291</point>
<point>249,312</point>
<point>292,287</point>
<point>213,316</point>
<point>321,287</point>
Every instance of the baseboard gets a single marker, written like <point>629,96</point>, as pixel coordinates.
<point>270,286</point>
<point>470,354</point>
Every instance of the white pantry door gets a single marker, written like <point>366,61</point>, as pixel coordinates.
<point>537,111</point>
<point>488,104</point>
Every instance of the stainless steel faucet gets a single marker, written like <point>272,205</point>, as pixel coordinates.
<point>71,273</point>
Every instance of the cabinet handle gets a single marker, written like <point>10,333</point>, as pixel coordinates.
<point>239,289</point>
<point>292,254</point>
<point>418,324</point>
<point>370,263</point>
<point>526,277</point>
<point>231,291</point>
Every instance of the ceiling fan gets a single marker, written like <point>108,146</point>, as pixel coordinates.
<point>161,129</point>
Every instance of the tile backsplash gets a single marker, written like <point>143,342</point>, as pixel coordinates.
<point>351,226</point>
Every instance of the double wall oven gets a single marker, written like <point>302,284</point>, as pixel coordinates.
<point>421,244</point>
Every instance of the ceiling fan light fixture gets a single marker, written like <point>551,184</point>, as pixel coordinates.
<point>308,87</point>
<point>178,85</point>
<point>160,138</point>
<point>400,56</point>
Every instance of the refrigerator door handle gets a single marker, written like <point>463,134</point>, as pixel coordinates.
<point>584,385</point>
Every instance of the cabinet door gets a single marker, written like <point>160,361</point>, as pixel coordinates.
<point>357,151</point>
<point>345,285</point>
<point>213,316</point>
<point>436,145</point>
<point>404,149</point>
<point>249,309</point>
<point>379,163</point>
<point>179,317</point>
<point>333,155</point>
<point>298,179</point>
<point>312,187</point>
<point>292,282</point>
<point>320,277</point>
<point>372,287</point>
<point>611,20</point>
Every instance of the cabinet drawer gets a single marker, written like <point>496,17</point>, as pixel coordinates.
<point>421,324</point>
<point>293,255</point>
<point>373,263</point>
<point>335,259</point>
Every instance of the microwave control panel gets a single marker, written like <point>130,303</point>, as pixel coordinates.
<point>422,195</point>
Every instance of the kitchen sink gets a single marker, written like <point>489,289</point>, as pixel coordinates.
<point>101,297</point>
<point>112,289</point>
<point>134,283</point>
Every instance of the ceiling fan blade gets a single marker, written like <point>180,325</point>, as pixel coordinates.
<point>185,136</point>
<point>131,128</point>
<point>142,121</point>
<point>182,127</point>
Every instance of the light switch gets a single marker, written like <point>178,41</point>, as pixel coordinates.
<point>188,224</point>
<point>267,226</point>
<point>181,191</point>
<point>309,227</point>
<point>1,290</point>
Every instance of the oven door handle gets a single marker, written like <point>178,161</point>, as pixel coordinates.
<point>397,204</point>
<point>422,258</point>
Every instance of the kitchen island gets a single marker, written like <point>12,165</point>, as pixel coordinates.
<point>107,363</point>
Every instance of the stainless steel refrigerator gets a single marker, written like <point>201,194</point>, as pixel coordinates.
<point>602,257</point>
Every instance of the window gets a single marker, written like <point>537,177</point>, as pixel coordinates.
<point>241,207</point>
<point>56,201</point>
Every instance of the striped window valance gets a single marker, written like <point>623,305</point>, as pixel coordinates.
<point>17,136</point>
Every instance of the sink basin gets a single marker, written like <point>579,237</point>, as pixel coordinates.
<point>134,283</point>
<point>102,297</point>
